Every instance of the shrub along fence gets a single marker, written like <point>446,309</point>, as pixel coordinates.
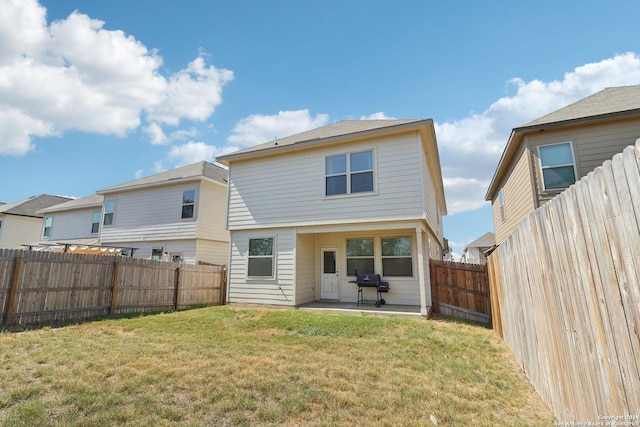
<point>565,290</point>
<point>460,290</point>
<point>47,286</point>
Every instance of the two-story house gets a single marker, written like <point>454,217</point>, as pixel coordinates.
<point>20,222</point>
<point>309,210</point>
<point>545,156</point>
<point>177,215</point>
<point>475,251</point>
<point>75,221</point>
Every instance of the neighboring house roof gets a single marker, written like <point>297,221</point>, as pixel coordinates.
<point>32,205</point>
<point>610,103</point>
<point>95,200</point>
<point>487,240</point>
<point>201,169</point>
<point>348,130</point>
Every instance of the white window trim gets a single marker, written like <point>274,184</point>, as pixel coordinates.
<point>413,259</point>
<point>195,204</point>
<point>348,173</point>
<point>99,221</point>
<point>273,259</point>
<point>44,227</point>
<point>113,217</point>
<point>573,164</point>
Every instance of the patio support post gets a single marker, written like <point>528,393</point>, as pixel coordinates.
<point>421,272</point>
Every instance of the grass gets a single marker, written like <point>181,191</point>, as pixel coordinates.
<point>224,366</point>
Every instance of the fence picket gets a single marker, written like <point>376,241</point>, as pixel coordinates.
<point>39,286</point>
<point>565,290</point>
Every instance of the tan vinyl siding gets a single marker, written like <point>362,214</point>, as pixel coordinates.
<point>592,146</point>
<point>290,190</point>
<point>212,251</point>
<point>212,212</point>
<point>305,268</point>
<point>518,198</point>
<point>19,230</point>
<point>277,290</point>
<point>431,209</point>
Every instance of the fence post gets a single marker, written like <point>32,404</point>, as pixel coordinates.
<point>11,298</point>
<point>114,287</point>
<point>176,284</point>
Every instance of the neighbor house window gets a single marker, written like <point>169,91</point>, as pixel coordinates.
<point>188,203</point>
<point>349,173</point>
<point>260,261</point>
<point>47,226</point>
<point>359,256</point>
<point>396,257</point>
<point>558,168</point>
<point>501,204</point>
<point>156,253</point>
<point>95,226</point>
<point>109,211</point>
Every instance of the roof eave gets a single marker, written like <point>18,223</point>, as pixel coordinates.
<point>274,149</point>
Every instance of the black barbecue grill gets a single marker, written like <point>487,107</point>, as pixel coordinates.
<point>370,281</point>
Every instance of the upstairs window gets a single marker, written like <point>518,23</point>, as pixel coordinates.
<point>260,262</point>
<point>557,164</point>
<point>349,173</point>
<point>95,226</point>
<point>501,204</point>
<point>188,203</point>
<point>48,221</point>
<point>109,211</point>
<point>360,256</point>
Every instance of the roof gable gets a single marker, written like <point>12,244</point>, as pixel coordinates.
<point>343,130</point>
<point>487,240</point>
<point>194,171</point>
<point>610,103</point>
<point>30,206</point>
<point>95,200</point>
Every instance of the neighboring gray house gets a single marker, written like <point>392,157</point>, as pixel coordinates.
<point>545,156</point>
<point>20,222</point>
<point>474,252</point>
<point>76,221</point>
<point>177,215</point>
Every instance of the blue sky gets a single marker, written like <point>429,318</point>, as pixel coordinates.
<point>96,93</point>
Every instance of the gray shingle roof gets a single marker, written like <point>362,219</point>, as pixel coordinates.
<point>196,170</point>
<point>485,241</point>
<point>29,207</point>
<point>608,101</point>
<point>338,130</point>
<point>83,202</point>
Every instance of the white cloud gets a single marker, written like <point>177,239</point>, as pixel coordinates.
<point>74,74</point>
<point>156,134</point>
<point>258,128</point>
<point>376,116</point>
<point>471,147</point>
<point>192,152</point>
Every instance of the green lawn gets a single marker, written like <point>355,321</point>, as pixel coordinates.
<point>224,366</point>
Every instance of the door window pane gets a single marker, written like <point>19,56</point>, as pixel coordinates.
<point>329,262</point>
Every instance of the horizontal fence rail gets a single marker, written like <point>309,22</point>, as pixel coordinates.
<point>565,290</point>
<point>45,286</point>
<point>460,290</point>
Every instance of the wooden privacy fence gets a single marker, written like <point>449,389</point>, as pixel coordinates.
<point>46,286</point>
<point>460,290</point>
<point>565,292</point>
